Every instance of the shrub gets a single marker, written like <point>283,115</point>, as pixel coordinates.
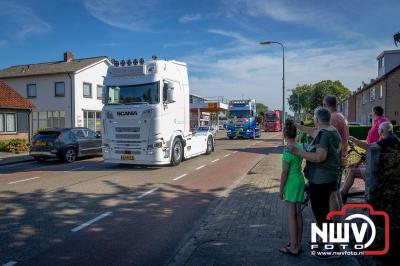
<point>3,145</point>
<point>17,146</point>
<point>359,132</point>
<point>388,191</point>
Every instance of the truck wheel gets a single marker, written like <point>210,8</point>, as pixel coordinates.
<point>177,152</point>
<point>70,155</point>
<point>230,137</point>
<point>253,136</point>
<point>210,145</point>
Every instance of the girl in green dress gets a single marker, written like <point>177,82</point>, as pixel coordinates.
<point>292,190</point>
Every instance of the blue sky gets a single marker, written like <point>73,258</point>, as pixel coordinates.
<point>218,39</point>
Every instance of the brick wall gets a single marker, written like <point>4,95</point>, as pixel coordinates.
<point>393,96</point>
<point>5,136</point>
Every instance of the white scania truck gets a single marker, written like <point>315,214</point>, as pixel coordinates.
<point>146,115</point>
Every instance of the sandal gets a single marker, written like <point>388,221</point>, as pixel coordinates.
<point>300,249</point>
<point>287,251</point>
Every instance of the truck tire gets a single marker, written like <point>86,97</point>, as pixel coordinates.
<point>176,152</point>
<point>210,145</point>
<point>230,137</point>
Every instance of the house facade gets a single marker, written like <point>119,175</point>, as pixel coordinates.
<point>15,112</point>
<point>383,91</point>
<point>67,93</point>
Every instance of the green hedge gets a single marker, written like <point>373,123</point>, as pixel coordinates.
<point>361,132</point>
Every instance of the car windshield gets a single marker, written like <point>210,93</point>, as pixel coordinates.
<point>202,128</point>
<point>143,93</point>
<point>239,113</point>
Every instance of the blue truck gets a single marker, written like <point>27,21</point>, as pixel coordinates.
<point>242,120</point>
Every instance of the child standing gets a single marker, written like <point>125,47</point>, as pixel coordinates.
<point>292,190</point>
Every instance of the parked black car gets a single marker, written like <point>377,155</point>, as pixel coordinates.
<point>65,143</point>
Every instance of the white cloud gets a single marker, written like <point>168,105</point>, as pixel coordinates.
<point>295,12</point>
<point>258,72</point>
<point>128,15</point>
<point>20,22</point>
<point>190,18</point>
<point>180,44</point>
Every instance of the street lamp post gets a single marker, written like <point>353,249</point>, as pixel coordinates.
<point>283,82</point>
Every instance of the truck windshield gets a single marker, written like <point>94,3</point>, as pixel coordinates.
<point>143,93</point>
<point>239,113</point>
<point>271,118</point>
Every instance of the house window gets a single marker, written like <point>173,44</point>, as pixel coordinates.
<point>31,90</point>
<point>99,92</point>
<point>364,97</point>
<point>92,120</point>
<point>87,90</point>
<point>8,122</point>
<point>41,120</point>
<point>59,89</point>
<point>381,91</point>
<point>372,94</point>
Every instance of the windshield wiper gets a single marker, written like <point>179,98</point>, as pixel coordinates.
<point>136,103</point>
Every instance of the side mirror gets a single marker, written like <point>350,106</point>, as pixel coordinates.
<point>171,94</point>
<point>98,135</point>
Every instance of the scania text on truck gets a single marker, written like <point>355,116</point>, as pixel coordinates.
<point>242,120</point>
<point>272,121</point>
<point>146,114</point>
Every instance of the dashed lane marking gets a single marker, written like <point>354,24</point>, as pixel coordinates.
<point>235,151</point>
<point>23,180</point>
<point>226,155</point>
<point>80,227</point>
<point>147,193</point>
<point>10,263</point>
<point>71,170</point>
<point>216,160</point>
<point>179,177</point>
<point>198,168</point>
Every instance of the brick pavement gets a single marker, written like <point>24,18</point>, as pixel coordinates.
<point>249,226</point>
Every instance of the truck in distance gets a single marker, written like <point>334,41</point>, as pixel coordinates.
<point>146,114</point>
<point>272,121</point>
<point>242,119</point>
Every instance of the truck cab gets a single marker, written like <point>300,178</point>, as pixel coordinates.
<point>242,119</point>
<point>146,115</point>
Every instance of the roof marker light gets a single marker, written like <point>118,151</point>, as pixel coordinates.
<point>129,62</point>
<point>141,61</point>
<point>135,61</point>
<point>122,62</point>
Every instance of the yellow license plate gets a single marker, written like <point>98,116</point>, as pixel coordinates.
<point>127,157</point>
<point>41,143</point>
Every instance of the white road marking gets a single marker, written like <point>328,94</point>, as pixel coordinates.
<point>80,227</point>
<point>226,155</point>
<point>235,151</point>
<point>179,177</point>
<point>198,168</point>
<point>10,263</point>
<point>23,180</point>
<point>79,168</point>
<point>147,193</point>
<point>216,160</point>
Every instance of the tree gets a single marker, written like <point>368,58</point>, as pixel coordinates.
<point>261,108</point>
<point>311,96</point>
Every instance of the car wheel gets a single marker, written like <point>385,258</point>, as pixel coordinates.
<point>70,155</point>
<point>210,145</point>
<point>177,152</point>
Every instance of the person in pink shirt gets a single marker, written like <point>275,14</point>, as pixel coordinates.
<point>379,118</point>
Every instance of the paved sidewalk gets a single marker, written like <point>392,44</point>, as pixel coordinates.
<point>11,158</point>
<point>249,226</point>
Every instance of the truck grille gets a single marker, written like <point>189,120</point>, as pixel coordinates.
<point>127,129</point>
<point>127,136</point>
<point>127,152</point>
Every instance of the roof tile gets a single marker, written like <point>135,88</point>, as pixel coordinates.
<point>10,98</point>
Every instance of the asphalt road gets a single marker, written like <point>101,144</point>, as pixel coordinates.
<point>92,213</point>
